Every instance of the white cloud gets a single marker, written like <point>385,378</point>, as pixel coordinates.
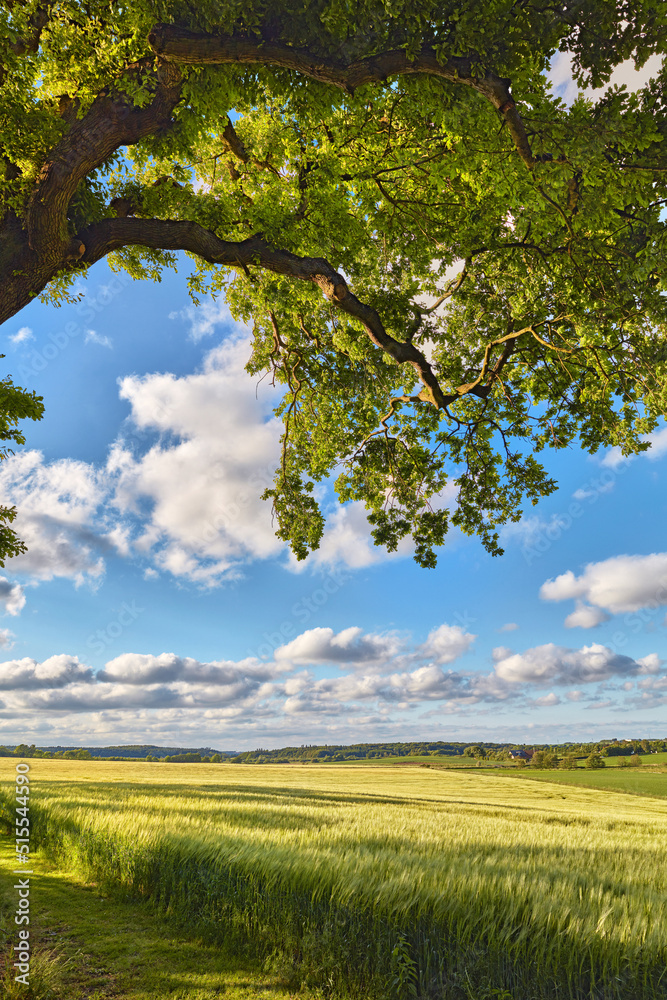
<point>92,337</point>
<point>547,701</point>
<point>614,458</point>
<point>446,643</point>
<point>658,444</point>
<point>206,317</point>
<point>501,653</point>
<point>650,664</point>
<point>203,484</point>
<point>138,668</point>
<point>560,75</point>
<point>22,336</point>
<point>551,664</point>
<point>347,541</point>
<point>55,672</point>
<point>6,638</point>
<point>508,627</point>
<point>322,645</point>
<point>11,596</point>
<point>585,617</point>
<point>622,583</point>
<point>190,504</point>
<point>171,698</point>
<point>57,504</point>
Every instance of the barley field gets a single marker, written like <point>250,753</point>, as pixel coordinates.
<point>387,883</point>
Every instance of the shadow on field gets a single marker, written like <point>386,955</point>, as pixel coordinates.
<point>92,946</point>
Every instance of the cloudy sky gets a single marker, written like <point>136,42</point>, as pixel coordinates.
<point>155,603</point>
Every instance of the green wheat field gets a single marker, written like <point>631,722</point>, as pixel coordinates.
<point>379,882</point>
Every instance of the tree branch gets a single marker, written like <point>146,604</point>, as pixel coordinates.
<point>103,237</point>
<point>112,121</point>
<point>178,45</point>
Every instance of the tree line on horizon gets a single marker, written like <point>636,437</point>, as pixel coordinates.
<point>315,753</point>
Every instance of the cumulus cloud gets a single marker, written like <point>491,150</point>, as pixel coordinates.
<point>347,541</point>
<point>55,672</point>
<point>547,701</point>
<point>650,664</point>
<point>196,494</point>
<point>322,645</point>
<point>12,596</point>
<point>384,678</point>
<point>181,489</point>
<point>446,643</point>
<point>622,583</point>
<point>585,617</point>
<point>57,505</point>
<point>551,664</point>
<point>508,627</point>
<point>138,668</point>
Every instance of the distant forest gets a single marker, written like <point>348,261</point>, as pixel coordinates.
<point>316,754</point>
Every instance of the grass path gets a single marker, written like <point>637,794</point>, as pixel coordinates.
<point>96,948</point>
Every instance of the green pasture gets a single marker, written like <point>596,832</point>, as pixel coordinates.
<point>384,883</point>
<point>636,781</point>
<point>647,760</point>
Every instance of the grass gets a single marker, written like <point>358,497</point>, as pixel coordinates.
<point>635,781</point>
<point>381,882</point>
<point>92,947</point>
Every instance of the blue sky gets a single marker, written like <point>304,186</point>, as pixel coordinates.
<point>155,603</point>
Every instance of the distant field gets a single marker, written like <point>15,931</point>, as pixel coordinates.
<point>455,760</point>
<point>639,781</point>
<point>381,883</point>
<point>647,760</point>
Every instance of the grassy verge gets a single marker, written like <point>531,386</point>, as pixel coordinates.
<point>93,947</point>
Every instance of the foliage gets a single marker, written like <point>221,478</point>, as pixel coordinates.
<point>594,761</point>
<point>15,404</point>
<point>568,763</point>
<point>543,760</point>
<point>508,885</point>
<point>444,275</point>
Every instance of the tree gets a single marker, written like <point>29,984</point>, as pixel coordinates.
<point>594,761</point>
<point>543,760</point>
<point>15,404</point>
<point>568,763</point>
<point>446,268</point>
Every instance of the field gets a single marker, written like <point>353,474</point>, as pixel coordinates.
<point>380,882</point>
<point>635,781</point>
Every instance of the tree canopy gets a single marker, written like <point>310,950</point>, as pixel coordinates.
<point>446,267</point>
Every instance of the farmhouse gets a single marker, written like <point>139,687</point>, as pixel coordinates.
<point>522,754</point>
